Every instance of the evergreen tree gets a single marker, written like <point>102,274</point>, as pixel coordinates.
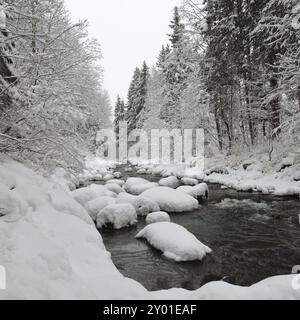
<point>119,113</point>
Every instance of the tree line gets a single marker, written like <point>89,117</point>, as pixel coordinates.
<point>230,67</point>
<point>52,102</point>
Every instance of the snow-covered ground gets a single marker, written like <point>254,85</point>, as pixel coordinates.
<point>52,250</point>
<point>280,177</point>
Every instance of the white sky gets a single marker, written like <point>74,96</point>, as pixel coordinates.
<point>129,32</point>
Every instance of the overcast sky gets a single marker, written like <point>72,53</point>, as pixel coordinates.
<point>129,32</point>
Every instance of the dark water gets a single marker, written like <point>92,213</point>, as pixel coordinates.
<point>252,237</point>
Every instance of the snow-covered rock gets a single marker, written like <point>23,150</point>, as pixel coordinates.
<point>95,206</point>
<point>141,171</point>
<point>171,182</point>
<point>140,188</point>
<point>189,181</point>
<point>174,241</point>
<point>12,206</point>
<point>156,217</point>
<point>143,206</point>
<point>119,182</point>
<point>137,186</point>
<point>128,170</point>
<point>113,187</point>
<point>91,192</point>
<point>118,175</point>
<point>117,215</point>
<point>171,200</point>
<point>108,177</point>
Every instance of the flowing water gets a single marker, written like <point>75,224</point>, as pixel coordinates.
<point>252,237</point>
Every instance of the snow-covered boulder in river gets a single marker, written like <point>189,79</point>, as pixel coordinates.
<point>95,206</point>
<point>137,186</point>
<point>119,182</point>
<point>171,200</point>
<point>117,215</point>
<point>171,182</point>
<point>91,192</point>
<point>156,217</point>
<point>113,187</point>
<point>174,241</point>
<point>189,181</point>
<point>199,192</point>
<point>143,206</point>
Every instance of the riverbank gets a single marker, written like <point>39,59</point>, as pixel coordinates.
<point>52,250</point>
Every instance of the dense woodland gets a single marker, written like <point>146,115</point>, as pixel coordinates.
<point>51,101</point>
<point>231,67</point>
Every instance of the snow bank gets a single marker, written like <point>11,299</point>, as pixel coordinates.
<point>117,215</point>
<point>157,217</point>
<point>174,241</point>
<point>142,205</point>
<point>171,182</point>
<point>171,200</point>
<point>95,206</point>
<point>50,254</point>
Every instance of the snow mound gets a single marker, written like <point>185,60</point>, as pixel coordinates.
<point>171,182</point>
<point>174,241</point>
<point>142,205</point>
<point>95,206</point>
<point>171,200</point>
<point>199,192</point>
<point>156,217</point>
<point>108,176</point>
<point>91,192</point>
<point>12,206</point>
<point>140,188</point>
<point>117,215</point>
<point>137,186</point>
<point>117,175</point>
<point>119,182</point>
<point>142,171</point>
<point>113,187</point>
<point>189,181</point>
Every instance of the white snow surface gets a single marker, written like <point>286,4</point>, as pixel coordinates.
<point>171,200</point>
<point>52,250</point>
<point>142,205</point>
<point>155,217</point>
<point>95,206</point>
<point>171,182</point>
<point>117,215</point>
<point>174,241</point>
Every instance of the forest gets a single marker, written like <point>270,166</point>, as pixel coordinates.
<point>231,67</point>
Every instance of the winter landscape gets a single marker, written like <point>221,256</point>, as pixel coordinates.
<point>185,187</point>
